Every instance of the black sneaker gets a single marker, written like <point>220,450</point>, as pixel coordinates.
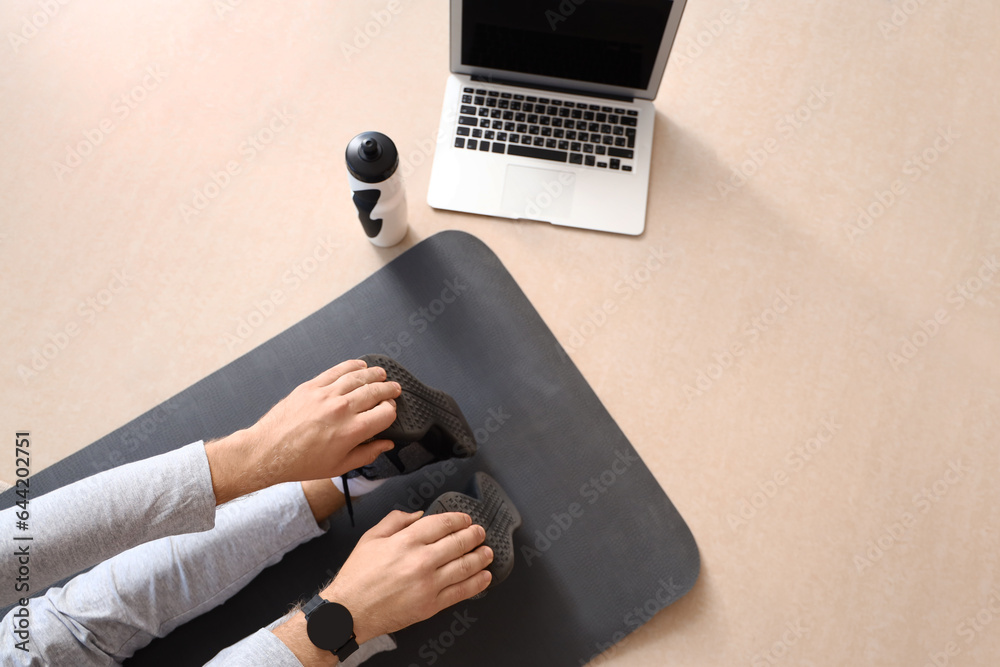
<point>429,427</point>
<point>490,507</point>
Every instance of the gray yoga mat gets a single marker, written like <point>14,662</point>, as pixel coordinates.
<point>602,548</point>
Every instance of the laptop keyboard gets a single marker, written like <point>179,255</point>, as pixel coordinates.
<point>547,128</point>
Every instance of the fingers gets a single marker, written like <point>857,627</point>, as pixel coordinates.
<point>463,567</point>
<point>394,522</point>
<point>354,379</point>
<point>464,590</point>
<point>330,375</point>
<point>448,536</point>
<point>372,422</point>
<point>437,526</point>
<point>366,397</point>
<point>365,454</point>
<point>453,546</point>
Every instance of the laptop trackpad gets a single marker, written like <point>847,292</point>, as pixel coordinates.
<point>538,194</point>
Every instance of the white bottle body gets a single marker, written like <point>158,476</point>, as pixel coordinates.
<point>389,207</point>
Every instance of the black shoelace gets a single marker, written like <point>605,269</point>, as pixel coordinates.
<point>347,499</point>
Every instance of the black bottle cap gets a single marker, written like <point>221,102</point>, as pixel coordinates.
<point>372,157</point>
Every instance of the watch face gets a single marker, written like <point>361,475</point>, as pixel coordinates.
<point>330,626</point>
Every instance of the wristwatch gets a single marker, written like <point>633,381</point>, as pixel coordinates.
<point>330,627</point>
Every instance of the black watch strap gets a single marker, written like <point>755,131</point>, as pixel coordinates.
<point>311,606</point>
<point>345,651</point>
<point>321,629</point>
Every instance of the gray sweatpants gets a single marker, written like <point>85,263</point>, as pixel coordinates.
<point>164,576</point>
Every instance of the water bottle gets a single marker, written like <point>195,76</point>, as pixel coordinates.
<point>373,174</point>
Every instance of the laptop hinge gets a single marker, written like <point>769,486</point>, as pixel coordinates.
<point>553,89</point>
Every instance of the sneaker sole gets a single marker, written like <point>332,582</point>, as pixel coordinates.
<point>419,408</point>
<point>493,510</point>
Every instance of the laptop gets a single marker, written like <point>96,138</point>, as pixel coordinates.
<point>548,114</point>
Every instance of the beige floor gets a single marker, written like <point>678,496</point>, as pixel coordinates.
<point>818,394</point>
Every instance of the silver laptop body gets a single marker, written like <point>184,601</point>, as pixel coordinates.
<point>547,114</point>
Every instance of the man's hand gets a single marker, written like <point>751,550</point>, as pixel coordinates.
<point>310,434</point>
<point>404,570</point>
<point>407,568</point>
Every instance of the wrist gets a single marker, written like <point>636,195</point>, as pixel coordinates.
<point>235,469</point>
<point>362,627</point>
<point>293,634</point>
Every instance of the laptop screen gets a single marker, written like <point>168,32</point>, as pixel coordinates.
<point>612,42</point>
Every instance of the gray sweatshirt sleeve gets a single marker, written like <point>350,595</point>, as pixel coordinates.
<point>84,523</point>
<point>260,648</point>
<point>263,648</point>
<point>103,616</point>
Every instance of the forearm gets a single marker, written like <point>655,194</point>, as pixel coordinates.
<point>237,466</point>
<point>102,515</point>
<point>120,605</point>
<point>105,514</point>
<point>323,497</point>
